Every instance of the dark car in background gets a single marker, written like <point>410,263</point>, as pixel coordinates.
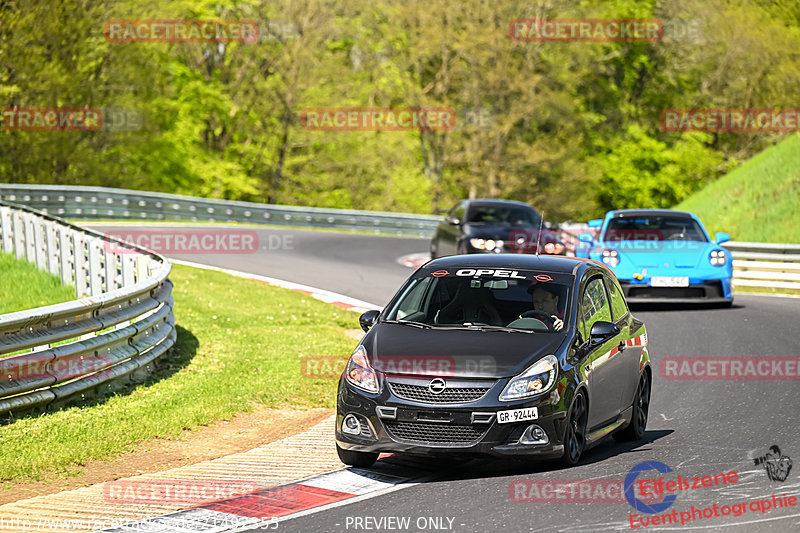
<point>494,226</point>
<point>496,355</point>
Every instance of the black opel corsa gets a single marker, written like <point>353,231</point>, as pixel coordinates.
<point>496,355</point>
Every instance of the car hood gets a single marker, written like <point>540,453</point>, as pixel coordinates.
<point>405,350</point>
<point>655,254</point>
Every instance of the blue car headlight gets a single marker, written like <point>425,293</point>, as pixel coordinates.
<point>717,257</point>
<point>610,257</point>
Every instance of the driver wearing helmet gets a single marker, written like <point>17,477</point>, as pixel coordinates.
<point>545,302</point>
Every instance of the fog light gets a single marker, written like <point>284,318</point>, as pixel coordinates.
<point>534,434</point>
<point>350,425</point>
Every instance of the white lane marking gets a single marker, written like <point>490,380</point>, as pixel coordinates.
<point>318,293</point>
<point>414,260</point>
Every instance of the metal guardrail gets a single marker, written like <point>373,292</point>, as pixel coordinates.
<point>775,266</point>
<point>121,323</point>
<point>102,202</point>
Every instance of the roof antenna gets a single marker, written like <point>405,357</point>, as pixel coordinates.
<point>539,236</point>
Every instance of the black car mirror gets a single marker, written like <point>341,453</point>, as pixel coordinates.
<point>368,319</point>
<point>602,331</point>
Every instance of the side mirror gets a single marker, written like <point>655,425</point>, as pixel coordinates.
<point>721,237</point>
<point>602,331</point>
<point>595,222</point>
<point>586,237</point>
<point>452,221</point>
<point>368,319</point>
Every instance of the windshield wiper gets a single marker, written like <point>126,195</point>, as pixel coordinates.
<point>497,328</point>
<point>408,323</point>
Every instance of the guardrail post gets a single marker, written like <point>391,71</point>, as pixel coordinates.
<point>51,247</point>
<point>7,229</point>
<point>110,259</point>
<point>65,258</point>
<point>95,268</point>
<point>39,243</point>
<point>79,255</point>
<point>19,236</point>
<point>128,268</point>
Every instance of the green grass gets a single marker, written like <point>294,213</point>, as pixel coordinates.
<point>758,201</point>
<point>23,286</point>
<point>239,344</point>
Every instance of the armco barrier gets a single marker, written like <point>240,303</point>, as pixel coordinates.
<point>755,264</point>
<point>102,202</point>
<point>775,266</point>
<point>120,324</point>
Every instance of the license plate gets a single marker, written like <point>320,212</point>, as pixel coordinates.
<point>517,415</point>
<point>669,281</point>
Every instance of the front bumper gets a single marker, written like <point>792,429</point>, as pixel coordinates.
<point>698,290</point>
<point>390,423</point>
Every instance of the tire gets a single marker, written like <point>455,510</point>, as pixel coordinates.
<point>434,248</point>
<point>641,408</point>
<point>575,432</point>
<point>359,459</point>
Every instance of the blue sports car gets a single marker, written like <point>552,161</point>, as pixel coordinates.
<point>661,255</point>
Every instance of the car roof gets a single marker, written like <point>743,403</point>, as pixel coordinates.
<point>488,201</point>
<point>649,212</point>
<point>547,263</point>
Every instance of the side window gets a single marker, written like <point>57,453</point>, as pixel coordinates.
<point>458,211</point>
<point>412,302</point>
<point>594,305</point>
<point>618,305</point>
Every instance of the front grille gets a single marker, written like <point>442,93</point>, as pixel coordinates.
<point>432,433</point>
<point>666,292</point>
<point>420,393</point>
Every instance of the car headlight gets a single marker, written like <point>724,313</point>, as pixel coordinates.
<point>610,257</point>
<point>717,257</point>
<point>485,244</point>
<point>360,373</point>
<point>538,378</point>
<point>554,248</point>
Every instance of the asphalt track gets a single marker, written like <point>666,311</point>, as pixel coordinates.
<point>697,427</point>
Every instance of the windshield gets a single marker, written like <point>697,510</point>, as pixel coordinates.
<point>530,301</point>
<point>503,215</point>
<point>654,228</point>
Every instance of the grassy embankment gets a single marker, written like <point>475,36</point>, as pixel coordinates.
<point>239,345</point>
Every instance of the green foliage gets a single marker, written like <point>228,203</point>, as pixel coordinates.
<point>640,171</point>
<point>758,201</point>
